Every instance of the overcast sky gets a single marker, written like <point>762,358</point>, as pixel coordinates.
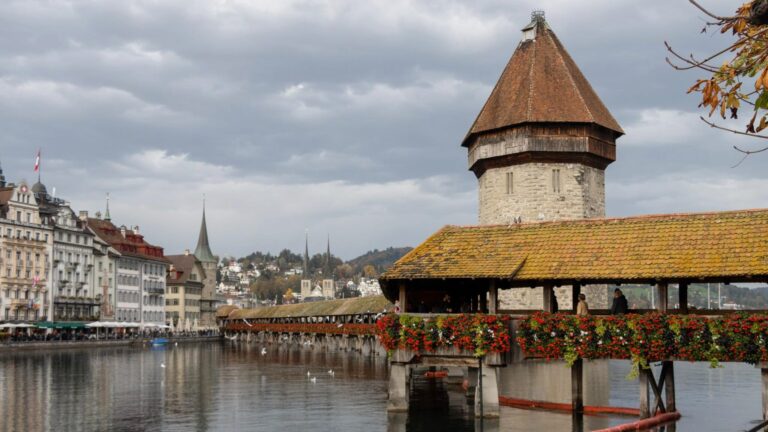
<point>341,117</point>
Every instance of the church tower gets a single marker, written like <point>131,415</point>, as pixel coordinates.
<point>542,141</point>
<point>210,263</point>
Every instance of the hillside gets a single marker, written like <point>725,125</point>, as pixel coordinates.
<point>379,259</point>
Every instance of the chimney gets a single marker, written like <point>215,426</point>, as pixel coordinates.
<point>123,230</point>
<point>98,215</point>
<point>83,215</point>
<point>136,230</point>
<point>186,252</point>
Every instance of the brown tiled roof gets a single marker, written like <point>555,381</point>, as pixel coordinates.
<point>132,244</point>
<point>541,84</point>
<point>351,306</point>
<point>184,265</point>
<point>224,311</point>
<point>725,245</point>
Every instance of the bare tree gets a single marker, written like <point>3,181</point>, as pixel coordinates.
<point>736,75</point>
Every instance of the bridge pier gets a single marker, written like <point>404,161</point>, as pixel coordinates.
<point>398,388</point>
<point>490,392</point>
<point>483,378</point>
<point>764,374</point>
<point>471,384</point>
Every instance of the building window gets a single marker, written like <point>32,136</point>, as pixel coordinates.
<point>556,180</point>
<point>510,183</point>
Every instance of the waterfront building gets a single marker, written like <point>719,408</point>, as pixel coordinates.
<point>25,255</point>
<point>104,274</point>
<point>209,263</point>
<point>540,145</point>
<point>184,289</point>
<point>141,272</point>
<point>74,295</point>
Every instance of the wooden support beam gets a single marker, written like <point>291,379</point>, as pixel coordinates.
<point>668,377</point>
<point>403,299</point>
<point>493,298</point>
<point>662,289</point>
<point>483,301</point>
<point>683,297</point>
<point>577,386</point>
<point>549,295</point>
<point>658,402</point>
<point>575,291</point>
<point>645,409</point>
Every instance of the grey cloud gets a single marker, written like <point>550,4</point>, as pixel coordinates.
<point>268,106</point>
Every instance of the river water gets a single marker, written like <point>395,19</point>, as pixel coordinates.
<point>225,387</point>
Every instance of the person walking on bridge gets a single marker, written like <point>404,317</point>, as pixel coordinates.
<point>620,305</point>
<point>582,308</point>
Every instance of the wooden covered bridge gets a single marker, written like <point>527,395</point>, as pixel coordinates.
<point>462,269</point>
<point>346,324</point>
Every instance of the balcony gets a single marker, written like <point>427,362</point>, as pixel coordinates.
<point>21,304</point>
<point>155,290</point>
<point>76,300</point>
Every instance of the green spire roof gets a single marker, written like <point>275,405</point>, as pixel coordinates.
<point>203,250</point>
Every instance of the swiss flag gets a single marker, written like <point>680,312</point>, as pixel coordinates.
<point>37,161</point>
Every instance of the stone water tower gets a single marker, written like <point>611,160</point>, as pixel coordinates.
<point>540,147</point>
<point>542,141</point>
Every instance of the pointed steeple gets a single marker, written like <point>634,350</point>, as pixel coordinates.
<point>203,250</point>
<point>107,217</point>
<point>327,270</point>
<point>306,254</point>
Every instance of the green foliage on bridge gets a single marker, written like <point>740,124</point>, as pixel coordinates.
<point>646,338</point>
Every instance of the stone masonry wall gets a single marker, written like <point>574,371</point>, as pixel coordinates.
<point>582,193</point>
<point>533,298</point>
<point>533,198</point>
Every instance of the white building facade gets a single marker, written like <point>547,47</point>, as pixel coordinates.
<point>25,251</point>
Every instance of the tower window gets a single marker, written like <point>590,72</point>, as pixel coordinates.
<point>510,183</point>
<point>556,180</point>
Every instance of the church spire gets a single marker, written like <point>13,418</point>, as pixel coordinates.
<point>327,271</point>
<point>306,254</point>
<point>107,217</point>
<point>203,250</point>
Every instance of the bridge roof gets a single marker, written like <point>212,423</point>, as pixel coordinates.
<point>224,311</point>
<point>728,246</point>
<point>352,306</point>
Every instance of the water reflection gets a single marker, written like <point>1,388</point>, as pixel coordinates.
<point>224,387</point>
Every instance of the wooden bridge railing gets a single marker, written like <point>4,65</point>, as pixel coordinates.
<point>325,328</point>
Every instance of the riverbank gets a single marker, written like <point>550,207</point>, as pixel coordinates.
<point>46,345</point>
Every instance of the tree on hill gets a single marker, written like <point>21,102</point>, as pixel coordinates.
<point>370,272</point>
